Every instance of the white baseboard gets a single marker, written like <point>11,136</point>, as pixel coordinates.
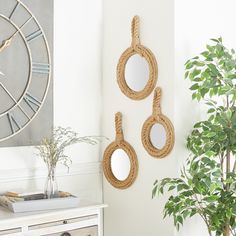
<point>13,175</point>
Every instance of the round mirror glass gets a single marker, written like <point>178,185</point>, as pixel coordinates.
<point>120,164</point>
<point>158,136</point>
<point>137,72</point>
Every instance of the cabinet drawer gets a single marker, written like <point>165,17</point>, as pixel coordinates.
<point>11,232</point>
<point>64,222</point>
<point>81,226</point>
<point>88,231</point>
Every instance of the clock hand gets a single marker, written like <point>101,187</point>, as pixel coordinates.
<point>6,43</point>
<point>18,30</point>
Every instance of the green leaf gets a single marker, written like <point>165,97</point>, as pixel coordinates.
<point>210,153</point>
<point>211,134</point>
<point>215,40</point>
<point>205,54</point>
<point>194,96</point>
<point>154,191</point>
<point>212,198</point>
<point>204,91</point>
<point>189,65</point>
<point>180,219</point>
<point>181,187</point>
<point>212,188</point>
<point>197,125</point>
<point>171,188</point>
<point>229,114</point>
<point>198,96</point>
<point>211,110</point>
<point>199,63</point>
<point>213,69</point>
<point>186,74</point>
<point>194,87</point>
<point>186,214</point>
<point>195,73</point>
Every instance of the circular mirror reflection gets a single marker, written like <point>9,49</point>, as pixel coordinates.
<point>158,136</point>
<point>137,72</point>
<point>120,164</point>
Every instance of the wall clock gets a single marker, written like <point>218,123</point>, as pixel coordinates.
<point>26,71</point>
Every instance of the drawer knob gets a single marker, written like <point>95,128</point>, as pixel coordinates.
<point>65,234</point>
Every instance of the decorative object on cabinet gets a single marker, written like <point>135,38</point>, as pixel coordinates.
<point>52,152</point>
<point>18,203</point>
<point>156,129</point>
<point>85,219</point>
<point>137,68</point>
<point>26,66</point>
<point>120,164</point>
<point>206,186</point>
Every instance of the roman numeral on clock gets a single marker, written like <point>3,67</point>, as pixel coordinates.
<point>13,123</point>
<point>40,68</point>
<point>14,9</point>
<point>34,35</point>
<point>32,102</point>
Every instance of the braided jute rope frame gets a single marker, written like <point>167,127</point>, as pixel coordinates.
<point>120,143</point>
<point>137,48</point>
<point>158,117</point>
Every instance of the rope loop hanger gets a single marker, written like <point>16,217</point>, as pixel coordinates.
<point>137,48</point>
<point>120,143</point>
<point>135,30</point>
<point>118,125</point>
<point>156,107</point>
<point>158,117</point>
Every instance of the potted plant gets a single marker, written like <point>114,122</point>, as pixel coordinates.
<point>52,151</point>
<point>207,185</point>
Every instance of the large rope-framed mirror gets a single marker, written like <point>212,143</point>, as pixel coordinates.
<point>137,68</point>
<point>158,132</point>
<point>120,163</point>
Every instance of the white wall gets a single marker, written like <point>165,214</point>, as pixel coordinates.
<point>132,211</point>
<point>195,23</point>
<point>188,26</point>
<point>77,103</point>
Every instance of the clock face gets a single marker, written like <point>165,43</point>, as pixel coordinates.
<point>25,67</point>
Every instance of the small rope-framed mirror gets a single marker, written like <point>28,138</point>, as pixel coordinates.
<point>144,52</point>
<point>158,118</point>
<point>125,147</point>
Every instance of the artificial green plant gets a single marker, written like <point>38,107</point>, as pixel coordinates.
<point>207,185</point>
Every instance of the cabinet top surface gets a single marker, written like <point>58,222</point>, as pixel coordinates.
<point>83,206</point>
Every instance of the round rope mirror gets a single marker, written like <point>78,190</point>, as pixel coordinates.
<point>133,68</point>
<point>150,127</point>
<point>115,155</point>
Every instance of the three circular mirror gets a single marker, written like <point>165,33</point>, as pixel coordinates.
<point>137,76</point>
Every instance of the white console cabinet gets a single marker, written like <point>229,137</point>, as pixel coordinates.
<point>85,220</point>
